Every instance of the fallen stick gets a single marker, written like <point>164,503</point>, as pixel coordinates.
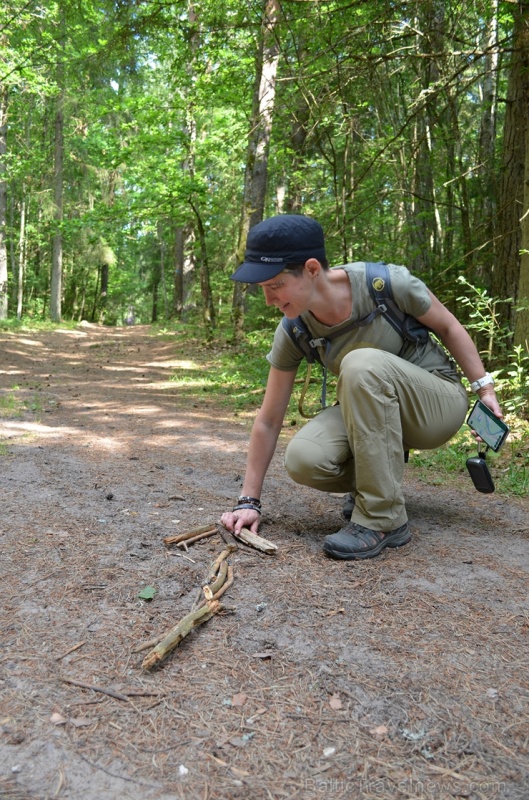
<point>213,570</point>
<point>109,692</point>
<point>214,586</point>
<point>219,592</point>
<point>231,548</point>
<point>256,541</point>
<point>208,530</point>
<point>147,645</point>
<point>71,650</point>
<point>179,632</point>
<point>207,594</point>
<point>197,538</point>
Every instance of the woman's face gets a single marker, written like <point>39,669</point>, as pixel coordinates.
<point>289,292</point>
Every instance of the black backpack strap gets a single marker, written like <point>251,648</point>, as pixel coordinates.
<point>378,279</point>
<point>302,337</point>
<point>379,285</point>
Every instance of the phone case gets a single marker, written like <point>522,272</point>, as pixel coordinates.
<point>488,413</point>
<point>481,477</point>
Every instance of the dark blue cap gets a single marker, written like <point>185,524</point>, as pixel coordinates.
<point>276,242</point>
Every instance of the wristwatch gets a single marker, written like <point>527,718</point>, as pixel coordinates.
<point>488,380</point>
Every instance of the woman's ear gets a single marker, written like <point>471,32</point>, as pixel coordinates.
<point>313,266</point>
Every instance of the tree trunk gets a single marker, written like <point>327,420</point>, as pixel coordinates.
<point>3,203</point>
<point>208,308</point>
<point>178,272</point>
<point>256,171</point>
<point>423,233</point>
<point>155,290</point>
<point>160,234</point>
<point>345,202</point>
<point>96,295</point>
<point>426,234</point>
<point>521,320</point>
<point>456,147</point>
<point>260,140</point>
<point>511,203</point>
<point>56,269</point>
<point>21,258</point>
<point>298,138</point>
<point>104,292</point>
<point>184,266</point>
<point>486,201</point>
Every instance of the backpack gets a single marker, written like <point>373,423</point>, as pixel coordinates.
<point>378,280</point>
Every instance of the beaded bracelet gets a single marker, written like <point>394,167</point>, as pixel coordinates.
<point>253,500</point>
<point>246,505</point>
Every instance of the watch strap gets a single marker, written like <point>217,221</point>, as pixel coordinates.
<point>487,380</point>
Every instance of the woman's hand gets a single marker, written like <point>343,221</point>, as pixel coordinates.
<point>487,395</point>
<point>243,518</point>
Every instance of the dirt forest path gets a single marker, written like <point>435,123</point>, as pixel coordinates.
<point>402,677</point>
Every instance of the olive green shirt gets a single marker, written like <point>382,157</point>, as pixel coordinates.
<point>410,294</point>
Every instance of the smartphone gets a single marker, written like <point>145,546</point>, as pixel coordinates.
<point>488,426</point>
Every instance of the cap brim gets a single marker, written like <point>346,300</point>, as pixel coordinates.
<point>257,272</point>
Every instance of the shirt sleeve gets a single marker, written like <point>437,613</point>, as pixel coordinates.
<point>284,355</point>
<point>410,293</point>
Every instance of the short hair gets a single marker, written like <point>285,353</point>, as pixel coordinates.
<point>297,269</point>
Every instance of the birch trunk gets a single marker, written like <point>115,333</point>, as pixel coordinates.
<point>58,170</point>
<point>21,258</point>
<point>3,203</point>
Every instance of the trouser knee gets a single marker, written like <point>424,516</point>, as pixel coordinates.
<point>365,365</point>
<point>308,464</point>
<point>300,459</point>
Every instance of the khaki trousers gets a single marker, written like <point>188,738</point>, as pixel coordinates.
<point>386,406</point>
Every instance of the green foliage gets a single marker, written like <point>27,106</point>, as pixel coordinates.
<point>157,109</point>
<point>236,379</point>
<point>509,366</point>
<point>509,468</point>
<point>12,406</point>
<point>513,383</point>
<point>29,324</point>
<point>484,319</point>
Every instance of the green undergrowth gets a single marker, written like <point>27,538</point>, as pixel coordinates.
<point>10,406</point>
<point>27,324</point>
<point>235,375</point>
<point>447,464</point>
<point>13,406</point>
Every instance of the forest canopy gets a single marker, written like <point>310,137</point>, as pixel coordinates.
<point>139,142</point>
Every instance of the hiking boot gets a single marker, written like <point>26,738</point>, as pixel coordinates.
<point>348,507</point>
<point>355,541</point>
